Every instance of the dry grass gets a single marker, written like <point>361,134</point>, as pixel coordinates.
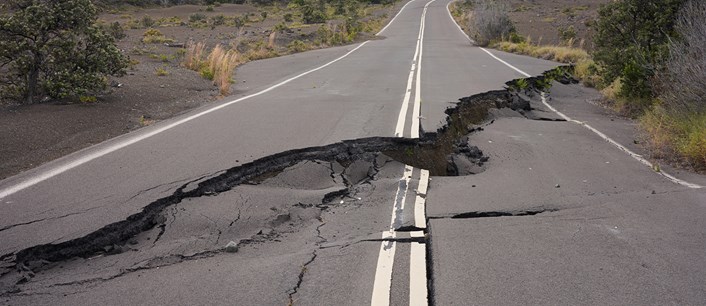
<point>154,36</point>
<point>562,54</point>
<point>587,71</point>
<point>218,66</point>
<point>193,58</point>
<point>679,138</point>
<point>271,40</point>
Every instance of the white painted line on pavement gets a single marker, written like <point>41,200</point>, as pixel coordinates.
<point>420,218</point>
<point>417,108</point>
<point>506,63</point>
<point>117,146</point>
<point>393,18</point>
<point>386,255</point>
<point>399,128</point>
<point>416,65</point>
<point>418,274</point>
<point>634,155</point>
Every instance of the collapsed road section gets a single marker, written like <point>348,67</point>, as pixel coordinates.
<point>287,217</point>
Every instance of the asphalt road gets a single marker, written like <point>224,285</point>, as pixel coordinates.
<point>559,216</point>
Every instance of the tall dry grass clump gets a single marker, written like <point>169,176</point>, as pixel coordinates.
<point>218,66</point>
<point>194,55</point>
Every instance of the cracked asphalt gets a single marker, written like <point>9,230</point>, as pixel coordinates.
<point>260,203</point>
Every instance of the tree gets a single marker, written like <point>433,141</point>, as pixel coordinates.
<point>632,42</point>
<point>682,84</point>
<point>54,48</point>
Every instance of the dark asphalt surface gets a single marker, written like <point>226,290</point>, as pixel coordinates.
<point>584,223</point>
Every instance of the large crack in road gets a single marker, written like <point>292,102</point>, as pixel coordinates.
<point>206,216</point>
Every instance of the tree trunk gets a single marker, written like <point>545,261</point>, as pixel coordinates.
<point>33,80</point>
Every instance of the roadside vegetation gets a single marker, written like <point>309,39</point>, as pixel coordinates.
<point>41,39</point>
<point>648,59</point>
<point>54,49</point>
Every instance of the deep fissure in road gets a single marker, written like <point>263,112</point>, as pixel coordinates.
<point>445,152</point>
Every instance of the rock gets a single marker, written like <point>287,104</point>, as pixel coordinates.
<point>557,186</point>
<point>231,247</point>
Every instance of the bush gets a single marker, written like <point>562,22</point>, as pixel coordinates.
<point>288,17</point>
<point>218,20</point>
<point>313,11</point>
<point>46,51</point>
<point>683,82</point>
<point>115,30</point>
<point>631,42</point>
<point>490,22</point>
<point>154,36</point>
<point>196,17</point>
<point>677,126</point>
<point>567,34</point>
<point>218,66</point>
<point>146,21</point>
<point>297,46</point>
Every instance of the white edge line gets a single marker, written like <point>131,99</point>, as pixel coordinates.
<point>122,144</point>
<point>506,63</point>
<point>393,18</point>
<point>632,154</point>
<point>448,10</point>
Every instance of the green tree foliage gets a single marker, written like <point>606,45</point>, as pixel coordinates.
<point>313,11</point>
<point>632,42</point>
<point>54,48</point>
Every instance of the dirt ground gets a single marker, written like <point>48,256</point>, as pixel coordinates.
<point>541,20</point>
<point>31,135</point>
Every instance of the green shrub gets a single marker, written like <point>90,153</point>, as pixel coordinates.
<point>313,11</point>
<point>196,17</point>
<point>87,99</point>
<point>218,20</point>
<point>146,21</point>
<point>115,30</point>
<point>631,42</point>
<point>297,46</point>
<point>46,51</point>
<point>568,33</point>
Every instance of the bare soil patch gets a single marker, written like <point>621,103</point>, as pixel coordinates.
<point>541,20</point>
